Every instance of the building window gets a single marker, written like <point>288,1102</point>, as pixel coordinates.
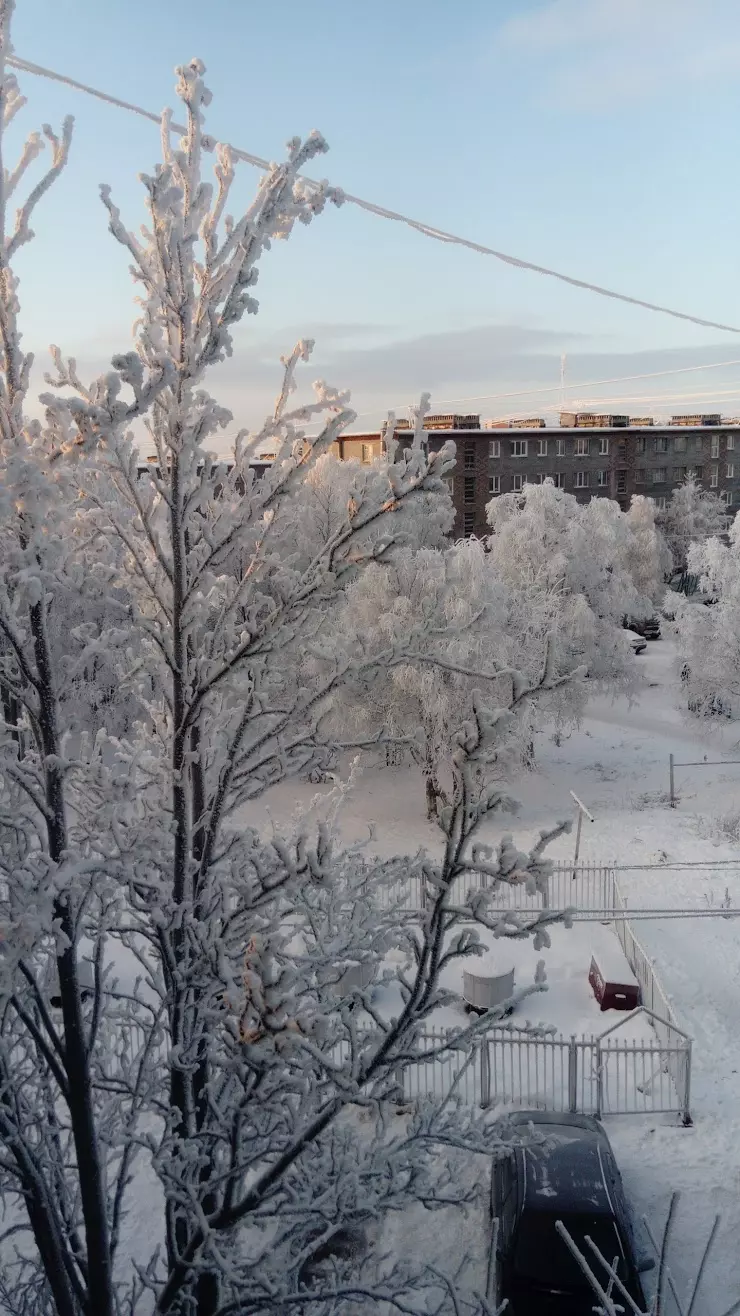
<point>542,477</point>
<point>661,503</point>
<point>641,443</point>
<point>581,449</point>
<point>728,496</point>
<point>494,448</point>
<point>470,458</point>
<point>730,442</point>
<point>679,443</point>
<point>468,523</point>
<point>604,447</point>
<point>469,489</point>
<point>558,478</point>
<point>621,482</point>
<point>581,479</point>
<point>367,452</point>
<point>658,476</point>
<point>714,476</point>
<point>494,484</point>
<point>640,477</point>
<point>715,445</point>
<point>663,443</point>
<point>518,447</point>
<point>449,481</point>
<point>602,478</point>
<point>542,447</point>
<point>517,482</point>
<point>730,475</point>
<point>699,472</point>
<point>560,447</point>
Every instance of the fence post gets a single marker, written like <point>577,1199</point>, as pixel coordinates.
<point>686,1119</point>
<point>599,1080</point>
<point>485,1075</point>
<point>579,825</point>
<point>573,1075</point>
<point>670,769</point>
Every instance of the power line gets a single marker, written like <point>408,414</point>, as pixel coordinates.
<point>644,915</point>
<point>427,230</point>
<point>589,383</point>
<point>536,391</point>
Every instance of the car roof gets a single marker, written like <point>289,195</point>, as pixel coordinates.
<point>557,1118</point>
<point>566,1172</point>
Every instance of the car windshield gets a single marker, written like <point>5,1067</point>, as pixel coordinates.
<point>542,1257</point>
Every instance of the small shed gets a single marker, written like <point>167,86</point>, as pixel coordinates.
<point>613,983</point>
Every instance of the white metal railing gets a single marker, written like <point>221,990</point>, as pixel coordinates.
<point>587,887</point>
<point>604,1075</point>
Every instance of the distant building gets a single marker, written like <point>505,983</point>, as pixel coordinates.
<point>590,460</point>
<point>614,460</point>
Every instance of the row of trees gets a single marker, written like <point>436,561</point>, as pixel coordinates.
<point>554,576</point>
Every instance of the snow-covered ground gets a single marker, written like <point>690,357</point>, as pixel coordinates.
<point>617,763</point>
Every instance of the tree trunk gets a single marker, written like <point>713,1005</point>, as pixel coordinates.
<point>76,1060</point>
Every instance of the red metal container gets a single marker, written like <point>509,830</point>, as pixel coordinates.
<point>613,991</point>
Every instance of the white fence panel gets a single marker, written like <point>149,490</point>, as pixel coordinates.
<point>437,1077</point>
<point>637,1078</point>
<point>529,1071</point>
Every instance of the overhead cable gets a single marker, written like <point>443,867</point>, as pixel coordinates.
<point>427,230</point>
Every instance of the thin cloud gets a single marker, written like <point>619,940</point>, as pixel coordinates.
<point>596,53</point>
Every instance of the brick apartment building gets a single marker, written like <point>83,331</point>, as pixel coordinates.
<point>589,455</point>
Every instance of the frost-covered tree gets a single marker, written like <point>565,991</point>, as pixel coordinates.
<point>332,488</point>
<point>692,514</point>
<point>481,624</point>
<point>175,1042</point>
<point>544,538</point>
<point>648,556</point>
<point>709,637</point>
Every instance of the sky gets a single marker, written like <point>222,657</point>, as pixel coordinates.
<point>596,137</point>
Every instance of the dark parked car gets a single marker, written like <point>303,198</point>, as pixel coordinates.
<point>571,1176</point>
<point>648,627</point>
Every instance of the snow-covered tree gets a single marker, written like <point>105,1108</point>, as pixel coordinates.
<point>692,514</point>
<point>481,624</point>
<point>648,556</point>
<point>332,488</point>
<point>544,538</point>
<point>203,1060</point>
<point>709,637</point>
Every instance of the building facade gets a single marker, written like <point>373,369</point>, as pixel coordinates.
<point>589,456</point>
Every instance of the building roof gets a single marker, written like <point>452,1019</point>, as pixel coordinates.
<point>560,431</point>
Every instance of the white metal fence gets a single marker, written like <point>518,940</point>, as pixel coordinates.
<point>587,888</point>
<point>605,1075</point>
<point>599,1075</point>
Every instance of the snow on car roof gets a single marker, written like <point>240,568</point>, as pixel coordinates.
<point>567,1168</point>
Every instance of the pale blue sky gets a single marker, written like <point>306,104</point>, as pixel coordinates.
<point>595,136</point>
